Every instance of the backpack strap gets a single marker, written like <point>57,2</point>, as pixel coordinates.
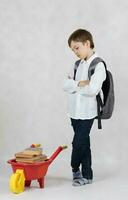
<point>98,97</point>
<point>75,68</point>
<point>93,64</point>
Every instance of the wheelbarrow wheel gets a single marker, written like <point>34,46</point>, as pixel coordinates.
<point>17,182</point>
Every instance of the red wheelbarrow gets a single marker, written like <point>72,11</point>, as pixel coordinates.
<point>24,173</point>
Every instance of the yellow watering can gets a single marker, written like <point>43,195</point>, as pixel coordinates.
<point>17,181</point>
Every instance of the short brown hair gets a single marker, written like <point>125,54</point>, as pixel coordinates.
<point>81,35</point>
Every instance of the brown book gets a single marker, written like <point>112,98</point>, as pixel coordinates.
<point>33,159</point>
<point>28,153</point>
<point>22,155</point>
<point>39,149</point>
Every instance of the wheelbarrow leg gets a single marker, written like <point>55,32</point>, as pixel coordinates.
<point>27,183</point>
<point>41,182</point>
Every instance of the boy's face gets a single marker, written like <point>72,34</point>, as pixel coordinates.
<point>80,49</point>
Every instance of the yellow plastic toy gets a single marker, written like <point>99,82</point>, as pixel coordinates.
<point>17,181</point>
<point>35,145</point>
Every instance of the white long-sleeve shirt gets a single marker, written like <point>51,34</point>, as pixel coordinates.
<point>82,101</point>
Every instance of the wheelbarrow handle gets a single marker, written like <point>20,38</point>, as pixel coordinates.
<point>55,154</point>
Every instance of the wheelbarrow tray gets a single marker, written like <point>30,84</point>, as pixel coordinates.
<point>31,170</point>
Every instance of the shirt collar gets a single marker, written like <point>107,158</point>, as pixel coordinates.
<point>90,59</point>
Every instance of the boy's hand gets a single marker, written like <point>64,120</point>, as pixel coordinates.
<point>83,83</point>
<point>69,77</point>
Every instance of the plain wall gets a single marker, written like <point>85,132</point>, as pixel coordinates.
<point>34,61</point>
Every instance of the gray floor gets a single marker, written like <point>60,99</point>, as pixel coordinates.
<point>107,185</point>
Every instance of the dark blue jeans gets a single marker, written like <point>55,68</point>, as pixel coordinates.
<point>81,151</point>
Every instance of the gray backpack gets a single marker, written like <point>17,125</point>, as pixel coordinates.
<point>105,108</point>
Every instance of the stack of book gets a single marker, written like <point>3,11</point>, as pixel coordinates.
<point>30,155</point>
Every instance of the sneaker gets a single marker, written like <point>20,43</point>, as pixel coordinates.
<point>78,179</point>
<point>87,181</point>
<point>78,182</point>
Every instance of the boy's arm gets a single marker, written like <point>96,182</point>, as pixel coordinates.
<point>83,83</point>
<point>95,84</point>
<point>70,85</point>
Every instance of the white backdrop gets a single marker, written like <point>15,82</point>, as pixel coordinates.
<point>35,59</point>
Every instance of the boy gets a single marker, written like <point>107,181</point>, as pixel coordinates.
<point>82,104</point>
